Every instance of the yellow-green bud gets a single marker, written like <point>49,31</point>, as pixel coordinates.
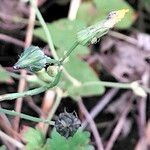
<point>92,34</point>
<point>44,76</point>
<point>52,71</point>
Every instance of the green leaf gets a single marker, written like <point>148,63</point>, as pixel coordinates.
<point>99,9</point>
<point>88,9</point>
<point>85,90</point>
<point>64,35</point>
<point>80,141</point>
<point>83,73</point>
<point>80,70</point>
<point>4,75</point>
<point>34,138</point>
<point>56,142</point>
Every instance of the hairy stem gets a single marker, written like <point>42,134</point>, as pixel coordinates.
<point>69,51</point>
<point>24,116</point>
<point>46,31</point>
<point>110,84</point>
<point>23,94</point>
<point>32,92</point>
<point>50,43</point>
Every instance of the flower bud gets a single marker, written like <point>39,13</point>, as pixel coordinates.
<point>137,89</point>
<point>32,59</point>
<point>91,34</point>
<point>52,70</point>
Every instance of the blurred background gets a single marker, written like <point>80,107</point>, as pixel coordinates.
<point>121,116</point>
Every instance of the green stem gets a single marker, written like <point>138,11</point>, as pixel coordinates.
<point>74,81</point>
<point>43,75</point>
<point>32,92</point>
<point>110,84</point>
<point>69,51</point>
<point>33,79</point>
<point>14,75</point>
<point>24,116</point>
<point>49,38</point>
<point>23,94</point>
<point>47,33</point>
<point>52,61</point>
<point>44,88</point>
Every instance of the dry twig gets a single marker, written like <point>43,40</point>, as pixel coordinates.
<point>22,82</point>
<point>92,125</point>
<point>118,127</point>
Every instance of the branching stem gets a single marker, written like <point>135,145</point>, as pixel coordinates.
<point>32,92</point>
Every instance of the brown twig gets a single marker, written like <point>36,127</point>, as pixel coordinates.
<point>101,104</point>
<point>118,127</point>
<point>142,116</point>
<point>51,113</point>
<point>11,140</point>
<point>12,40</point>
<point>116,108</point>
<point>5,125</point>
<point>141,119</point>
<point>22,82</point>
<point>124,37</point>
<point>92,125</point>
<point>32,105</point>
<point>142,112</point>
<point>47,104</point>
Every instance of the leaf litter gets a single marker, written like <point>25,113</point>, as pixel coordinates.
<point>125,61</point>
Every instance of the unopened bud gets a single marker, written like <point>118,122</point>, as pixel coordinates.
<point>32,59</point>
<point>137,89</point>
<point>91,34</point>
<point>52,71</point>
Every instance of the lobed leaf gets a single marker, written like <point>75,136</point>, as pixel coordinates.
<point>34,138</point>
<point>80,141</point>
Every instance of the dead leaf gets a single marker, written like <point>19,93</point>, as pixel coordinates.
<point>126,62</point>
